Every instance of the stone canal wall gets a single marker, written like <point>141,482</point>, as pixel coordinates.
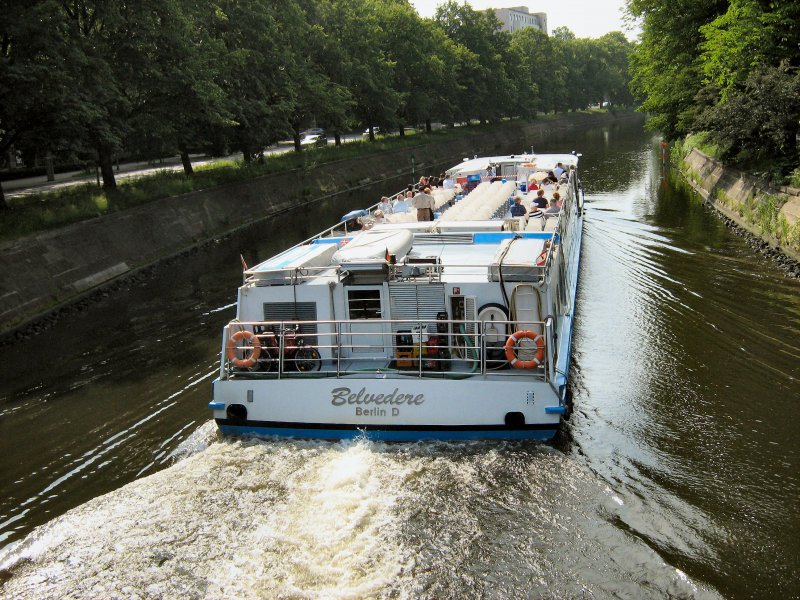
<point>41,272</point>
<point>772,214</point>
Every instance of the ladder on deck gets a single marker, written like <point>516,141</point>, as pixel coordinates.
<point>525,308</point>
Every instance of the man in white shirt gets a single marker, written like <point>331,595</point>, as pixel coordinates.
<point>424,204</point>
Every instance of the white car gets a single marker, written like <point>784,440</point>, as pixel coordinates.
<point>314,140</point>
<point>376,130</point>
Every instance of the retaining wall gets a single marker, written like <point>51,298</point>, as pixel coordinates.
<point>40,272</point>
<point>739,197</point>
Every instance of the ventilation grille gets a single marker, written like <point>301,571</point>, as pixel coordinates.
<point>438,238</point>
<point>293,311</point>
<point>421,303</point>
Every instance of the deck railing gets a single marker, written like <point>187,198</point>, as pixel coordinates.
<point>389,348</point>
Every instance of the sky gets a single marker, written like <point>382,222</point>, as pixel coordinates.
<point>586,18</point>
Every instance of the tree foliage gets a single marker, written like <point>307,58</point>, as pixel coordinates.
<point>94,80</point>
<point>727,67</point>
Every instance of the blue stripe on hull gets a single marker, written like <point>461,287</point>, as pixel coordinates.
<point>405,435</point>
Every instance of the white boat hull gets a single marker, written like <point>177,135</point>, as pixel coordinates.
<point>389,409</point>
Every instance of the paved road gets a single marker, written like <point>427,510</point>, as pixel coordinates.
<point>39,184</point>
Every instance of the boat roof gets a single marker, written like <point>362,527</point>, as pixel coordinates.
<point>541,162</point>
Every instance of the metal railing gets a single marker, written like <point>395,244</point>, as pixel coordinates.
<point>392,348</point>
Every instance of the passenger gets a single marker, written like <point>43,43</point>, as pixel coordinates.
<point>402,205</point>
<point>550,179</point>
<point>535,213</point>
<point>558,170</point>
<point>557,198</point>
<point>535,219</point>
<point>423,183</point>
<point>553,209</point>
<point>448,183</point>
<point>490,172</point>
<point>385,205</point>
<point>540,201</point>
<point>424,204</point>
<point>379,216</point>
<point>517,209</point>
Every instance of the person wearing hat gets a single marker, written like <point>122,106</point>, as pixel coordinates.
<point>553,209</point>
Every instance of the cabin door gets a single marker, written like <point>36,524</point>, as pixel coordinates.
<point>366,332</point>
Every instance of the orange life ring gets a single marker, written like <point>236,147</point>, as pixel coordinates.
<point>511,344</point>
<point>541,259</point>
<point>244,363</point>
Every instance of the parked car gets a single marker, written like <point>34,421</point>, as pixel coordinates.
<point>312,131</point>
<point>376,130</point>
<point>314,140</point>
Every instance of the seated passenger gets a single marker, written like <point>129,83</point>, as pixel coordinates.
<point>517,209</point>
<point>553,209</point>
<point>540,201</point>
<point>385,205</point>
<point>402,205</point>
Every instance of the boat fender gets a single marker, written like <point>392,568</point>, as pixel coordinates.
<point>512,342</point>
<point>255,352</point>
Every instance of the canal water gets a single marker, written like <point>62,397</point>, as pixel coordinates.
<point>677,476</point>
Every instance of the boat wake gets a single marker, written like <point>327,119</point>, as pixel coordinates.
<point>264,518</point>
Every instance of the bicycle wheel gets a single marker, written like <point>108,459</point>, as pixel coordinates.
<point>307,359</point>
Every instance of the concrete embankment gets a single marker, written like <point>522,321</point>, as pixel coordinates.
<point>769,213</point>
<point>45,271</point>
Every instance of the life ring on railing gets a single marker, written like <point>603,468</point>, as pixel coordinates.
<point>244,363</point>
<point>511,344</point>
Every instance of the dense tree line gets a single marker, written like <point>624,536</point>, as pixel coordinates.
<point>91,78</point>
<point>725,67</point>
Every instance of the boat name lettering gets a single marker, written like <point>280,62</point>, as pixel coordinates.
<point>343,395</point>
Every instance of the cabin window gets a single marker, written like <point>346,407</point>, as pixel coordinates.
<point>364,304</point>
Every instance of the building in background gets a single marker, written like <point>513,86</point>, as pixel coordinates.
<point>518,17</point>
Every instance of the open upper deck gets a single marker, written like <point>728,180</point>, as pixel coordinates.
<point>472,238</point>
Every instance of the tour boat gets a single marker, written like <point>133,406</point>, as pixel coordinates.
<point>457,328</point>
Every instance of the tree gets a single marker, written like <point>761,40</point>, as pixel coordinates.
<point>255,72</point>
<point>317,95</point>
<point>370,71</point>
<point>535,57</point>
<point>759,120</point>
<point>666,71</point>
<point>179,101</point>
<point>483,69</point>
<point>36,103</point>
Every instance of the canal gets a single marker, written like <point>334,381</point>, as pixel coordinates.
<point>677,476</point>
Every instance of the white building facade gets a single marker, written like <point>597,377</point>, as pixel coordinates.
<point>518,17</point>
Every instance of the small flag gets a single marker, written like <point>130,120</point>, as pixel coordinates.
<point>244,264</point>
<point>388,256</point>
